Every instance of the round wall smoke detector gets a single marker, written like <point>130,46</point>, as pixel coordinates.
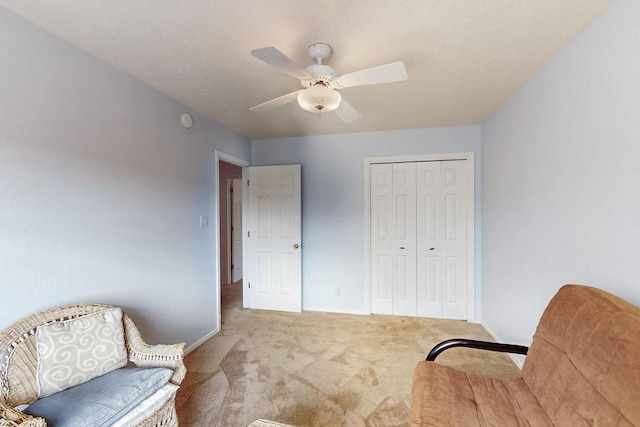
<point>186,120</point>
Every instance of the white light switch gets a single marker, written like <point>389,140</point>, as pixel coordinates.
<point>204,220</point>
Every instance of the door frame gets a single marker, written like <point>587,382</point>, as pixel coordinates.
<point>218,157</point>
<point>229,245</point>
<point>471,270</point>
<point>230,217</point>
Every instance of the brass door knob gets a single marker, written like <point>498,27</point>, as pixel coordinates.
<point>296,246</point>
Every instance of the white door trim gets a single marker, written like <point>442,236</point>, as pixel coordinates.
<point>221,156</point>
<point>228,227</point>
<point>469,157</point>
<point>236,183</point>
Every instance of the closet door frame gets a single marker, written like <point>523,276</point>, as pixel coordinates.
<point>471,215</point>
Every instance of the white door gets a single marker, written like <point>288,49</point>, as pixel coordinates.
<point>393,219</point>
<point>382,238</point>
<point>442,239</point>
<point>419,239</point>
<point>273,231</point>
<point>236,230</point>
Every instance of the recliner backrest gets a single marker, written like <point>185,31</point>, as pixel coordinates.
<point>584,363</point>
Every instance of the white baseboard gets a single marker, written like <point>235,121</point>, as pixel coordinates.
<point>518,359</point>
<point>201,341</point>
<point>329,310</point>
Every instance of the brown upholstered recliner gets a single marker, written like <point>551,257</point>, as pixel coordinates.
<point>582,369</point>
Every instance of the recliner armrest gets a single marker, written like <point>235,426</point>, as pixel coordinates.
<point>481,345</point>
<point>13,417</point>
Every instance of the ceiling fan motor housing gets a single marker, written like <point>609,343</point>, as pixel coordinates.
<point>322,74</point>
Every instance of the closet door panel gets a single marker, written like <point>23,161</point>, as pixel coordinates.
<point>382,238</point>
<point>454,239</point>
<point>429,237</point>
<point>404,249</point>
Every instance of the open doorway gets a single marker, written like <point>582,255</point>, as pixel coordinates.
<point>230,193</point>
<point>227,293</point>
<point>230,223</point>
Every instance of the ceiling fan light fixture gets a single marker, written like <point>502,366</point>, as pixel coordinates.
<point>319,99</point>
<point>321,82</point>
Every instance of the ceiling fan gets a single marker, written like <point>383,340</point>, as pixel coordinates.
<point>321,82</point>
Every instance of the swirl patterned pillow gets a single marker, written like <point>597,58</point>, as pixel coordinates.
<point>74,351</point>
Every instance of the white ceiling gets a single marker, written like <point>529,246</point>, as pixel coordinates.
<point>463,57</point>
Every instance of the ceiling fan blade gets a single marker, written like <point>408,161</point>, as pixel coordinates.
<point>347,113</point>
<point>276,102</point>
<point>387,73</point>
<point>279,60</point>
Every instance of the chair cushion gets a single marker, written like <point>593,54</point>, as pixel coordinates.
<point>102,400</point>
<point>444,396</point>
<point>74,351</point>
<point>147,407</point>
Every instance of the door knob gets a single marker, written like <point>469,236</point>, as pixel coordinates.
<point>431,249</point>
<point>296,246</point>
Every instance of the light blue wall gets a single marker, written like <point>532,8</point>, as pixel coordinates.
<point>101,190</point>
<point>561,178</point>
<point>333,201</point>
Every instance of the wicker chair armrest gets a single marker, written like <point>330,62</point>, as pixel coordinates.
<point>481,345</point>
<point>10,417</point>
<point>160,355</point>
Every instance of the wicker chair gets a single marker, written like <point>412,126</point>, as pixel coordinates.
<point>18,364</point>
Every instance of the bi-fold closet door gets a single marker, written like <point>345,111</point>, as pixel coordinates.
<point>419,238</point>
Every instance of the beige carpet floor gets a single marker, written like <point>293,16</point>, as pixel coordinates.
<point>317,369</point>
